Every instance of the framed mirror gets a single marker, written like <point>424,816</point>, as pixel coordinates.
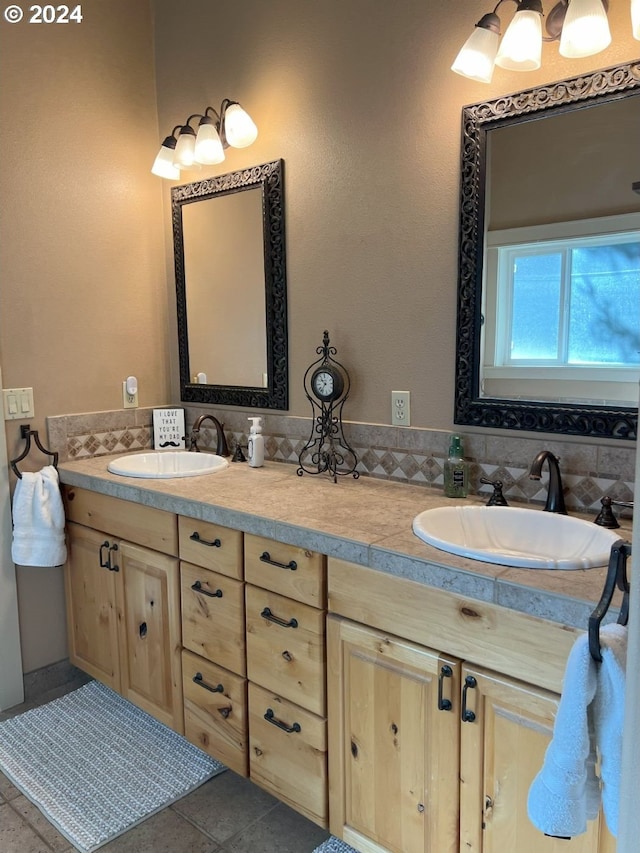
<point>536,167</point>
<point>231,290</point>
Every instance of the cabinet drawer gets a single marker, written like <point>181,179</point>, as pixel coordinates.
<point>285,569</point>
<point>213,617</point>
<point>143,525</point>
<point>211,546</point>
<point>285,647</point>
<point>215,711</point>
<point>287,753</point>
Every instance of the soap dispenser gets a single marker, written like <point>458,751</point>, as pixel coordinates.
<point>256,444</point>
<point>456,470</point>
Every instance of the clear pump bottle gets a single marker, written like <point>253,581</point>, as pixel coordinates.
<point>456,470</point>
<point>255,452</point>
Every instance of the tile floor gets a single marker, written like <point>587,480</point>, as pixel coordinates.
<point>228,814</point>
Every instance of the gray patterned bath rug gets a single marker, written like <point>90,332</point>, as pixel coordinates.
<point>96,765</point>
<point>334,845</point>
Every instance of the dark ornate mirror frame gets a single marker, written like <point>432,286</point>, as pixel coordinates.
<point>268,177</point>
<point>470,408</point>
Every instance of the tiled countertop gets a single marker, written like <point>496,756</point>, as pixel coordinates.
<point>365,521</point>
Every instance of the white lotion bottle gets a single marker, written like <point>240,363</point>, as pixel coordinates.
<point>256,444</point>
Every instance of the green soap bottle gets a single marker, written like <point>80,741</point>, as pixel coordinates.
<point>456,470</point>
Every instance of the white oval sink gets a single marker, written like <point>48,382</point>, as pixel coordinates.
<point>523,538</point>
<point>165,464</point>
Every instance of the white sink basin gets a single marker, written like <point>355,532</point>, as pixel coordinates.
<point>166,464</point>
<point>523,538</point>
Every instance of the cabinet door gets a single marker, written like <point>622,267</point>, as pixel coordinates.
<point>503,749</point>
<point>393,746</point>
<point>150,633</point>
<point>92,617</point>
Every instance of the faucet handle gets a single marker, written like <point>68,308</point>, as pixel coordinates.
<point>497,498</point>
<point>606,518</point>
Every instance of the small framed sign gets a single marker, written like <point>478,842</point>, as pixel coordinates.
<point>168,429</point>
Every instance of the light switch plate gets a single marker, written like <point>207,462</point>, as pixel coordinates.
<point>18,403</point>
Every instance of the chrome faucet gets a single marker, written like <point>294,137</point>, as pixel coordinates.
<point>221,448</point>
<point>555,493</point>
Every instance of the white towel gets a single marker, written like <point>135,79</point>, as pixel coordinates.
<point>567,792</point>
<point>38,520</point>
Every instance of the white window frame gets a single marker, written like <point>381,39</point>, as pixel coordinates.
<point>504,377</point>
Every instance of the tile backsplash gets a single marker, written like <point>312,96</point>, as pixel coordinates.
<point>400,454</point>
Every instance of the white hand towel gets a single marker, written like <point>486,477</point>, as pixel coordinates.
<point>608,714</point>
<point>38,520</point>
<point>566,792</point>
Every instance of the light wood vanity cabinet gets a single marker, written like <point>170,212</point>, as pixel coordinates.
<point>426,760</point>
<point>123,600</point>
<point>286,666</point>
<point>213,637</point>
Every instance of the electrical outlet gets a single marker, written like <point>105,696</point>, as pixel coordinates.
<point>129,401</point>
<point>401,408</point>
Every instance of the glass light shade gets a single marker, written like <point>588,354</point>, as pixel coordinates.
<point>521,47</point>
<point>184,155</point>
<point>585,30</point>
<point>239,128</point>
<point>163,164</point>
<point>477,55</point>
<point>208,148</point>
<point>635,19</point>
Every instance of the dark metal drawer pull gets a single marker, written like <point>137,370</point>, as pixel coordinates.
<point>197,587</point>
<point>267,614</point>
<point>467,715</point>
<point>271,718</point>
<point>197,679</point>
<point>266,558</point>
<point>197,538</point>
<point>445,672</point>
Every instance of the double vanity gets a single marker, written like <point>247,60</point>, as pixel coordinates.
<point>300,632</point>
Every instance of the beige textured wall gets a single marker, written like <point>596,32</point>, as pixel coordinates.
<point>357,97</point>
<point>83,294</point>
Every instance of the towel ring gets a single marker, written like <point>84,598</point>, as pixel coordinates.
<point>26,432</point>
<point>616,576</point>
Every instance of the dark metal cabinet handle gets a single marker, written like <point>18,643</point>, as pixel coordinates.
<point>271,718</point>
<point>113,567</point>
<point>266,558</point>
<point>444,704</point>
<point>267,614</point>
<point>199,680</point>
<point>216,543</point>
<point>104,564</point>
<point>468,716</point>
<point>197,587</point>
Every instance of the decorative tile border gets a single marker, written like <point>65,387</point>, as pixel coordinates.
<point>398,454</point>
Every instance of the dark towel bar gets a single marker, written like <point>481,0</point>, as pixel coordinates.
<point>27,433</point>
<point>616,577</point>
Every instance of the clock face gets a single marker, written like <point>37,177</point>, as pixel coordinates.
<point>327,383</point>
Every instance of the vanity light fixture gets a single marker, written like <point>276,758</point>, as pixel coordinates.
<point>187,149</point>
<point>581,26</point>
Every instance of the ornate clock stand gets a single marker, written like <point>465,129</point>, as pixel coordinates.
<point>327,384</point>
